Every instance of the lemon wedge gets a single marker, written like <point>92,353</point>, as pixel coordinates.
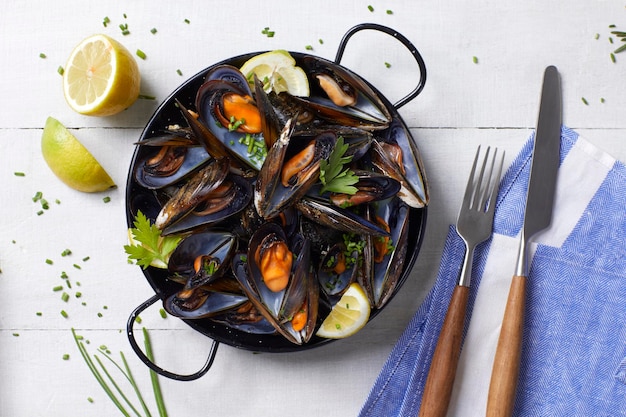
<point>348,316</point>
<point>101,77</point>
<point>70,161</point>
<point>278,71</point>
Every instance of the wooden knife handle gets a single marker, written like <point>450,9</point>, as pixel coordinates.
<point>506,363</point>
<point>446,357</point>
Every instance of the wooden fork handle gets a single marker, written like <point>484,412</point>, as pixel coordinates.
<point>445,358</point>
<point>506,364</point>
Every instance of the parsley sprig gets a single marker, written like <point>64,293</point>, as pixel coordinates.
<point>335,177</point>
<point>150,248</point>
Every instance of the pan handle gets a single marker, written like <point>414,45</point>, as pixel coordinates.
<point>391,32</point>
<point>133,342</point>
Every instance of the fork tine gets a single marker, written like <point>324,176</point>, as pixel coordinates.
<point>495,182</point>
<point>480,189</point>
<point>469,188</point>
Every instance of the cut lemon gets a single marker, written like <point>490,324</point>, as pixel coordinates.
<point>348,316</point>
<point>70,161</point>
<point>101,77</point>
<point>278,71</point>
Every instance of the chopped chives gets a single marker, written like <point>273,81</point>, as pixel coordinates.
<point>620,49</point>
<point>389,11</point>
<point>179,72</point>
<point>187,21</point>
<point>321,41</point>
<point>38,195</point>
<point>153,31</point>
<point>124,15</point>
<point>585,101</point>
<point>146,97</point>
<point>308,48</point>
<point>63,274</point>
<point>138,320</point>
<point>57,201</point>
<point>79,294</point>
<point>16,334</point>
<point>613,57</point>
<point>86,258</point>
<point>49,261</point>
<point>597,36</point>
<point>66,356</point>
<point>64,313</point>
<point>39,313</point>
<point>162,313</point>
<point>106,199</point>
<point>66,252</point>
<point>602,100</point>
<point>76,266</point>
<point>19,174</point>
<point>370,8</point>
<point>387,65</point>
<point>106,21</point>
<point>475,60</point>
<point>60,70</point>
<point>57,288</point>
<point>99,314</point>
<point>42,55</point>
<point>65,297</point>
<point>141,54</point>
<point>90,399</point>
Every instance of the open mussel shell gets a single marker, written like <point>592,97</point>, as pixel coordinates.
<point>323,212</point>
<point>279,305</point>
<point>384,255</point>
<point>168,164</point>
<point>202,296</point>
<point>193,192</point>
<point>337,269</point>
<point>202,304</point>
<point>397,156</point>
<point>235,197</point>
<point>217,244</point>
<point>222,81</point>
<point>290,169</point>
<point>367,109</point>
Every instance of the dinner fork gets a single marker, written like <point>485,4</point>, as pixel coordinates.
<point>474,225</point>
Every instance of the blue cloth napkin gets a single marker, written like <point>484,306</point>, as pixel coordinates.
<point>574,346</point>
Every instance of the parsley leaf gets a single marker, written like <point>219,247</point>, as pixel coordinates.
<point>147,246</point>
<point>334,177</point>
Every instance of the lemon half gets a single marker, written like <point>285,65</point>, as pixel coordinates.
<point>70,161</point>
<point>101,77</point>
<point>278,70</point>
<point>348,316</point>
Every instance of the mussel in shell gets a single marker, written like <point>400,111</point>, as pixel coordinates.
<point>278,279</point>
<point>202,262</point>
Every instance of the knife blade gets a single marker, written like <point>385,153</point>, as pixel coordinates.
<point>537,217</point>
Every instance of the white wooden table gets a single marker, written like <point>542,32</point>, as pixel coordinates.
<point>465,103</point>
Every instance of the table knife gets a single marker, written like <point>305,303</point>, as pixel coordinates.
<point>537,217</point>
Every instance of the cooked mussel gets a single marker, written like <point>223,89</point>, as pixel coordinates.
<point>227,108</point>
<point>384,255</point>
<point>396,155</point>
<point>277,278</point>
<point>188,196</point>
<point>201,261</point>
<point>290,169</point>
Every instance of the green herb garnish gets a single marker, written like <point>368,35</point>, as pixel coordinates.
<point>334,177</point>
<point>151,247</point>
<point>111,386</point>
<point>141,54</point>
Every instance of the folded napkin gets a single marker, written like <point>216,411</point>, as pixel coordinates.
<point>574,345</point>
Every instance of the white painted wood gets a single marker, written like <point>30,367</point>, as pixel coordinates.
<point>494,101</point>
